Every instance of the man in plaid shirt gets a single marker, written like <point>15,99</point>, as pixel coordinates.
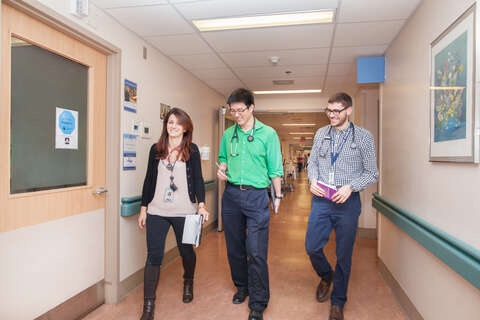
<point>343,156</point>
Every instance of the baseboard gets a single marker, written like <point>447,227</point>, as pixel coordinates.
<point>369,233</point>
<point>403,300</point>
<point>79,305</point>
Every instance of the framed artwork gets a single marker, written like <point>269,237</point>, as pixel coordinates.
<point>452,92</point>
<point>164,109</point>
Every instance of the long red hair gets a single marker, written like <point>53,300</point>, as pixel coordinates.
<point>186,122</point>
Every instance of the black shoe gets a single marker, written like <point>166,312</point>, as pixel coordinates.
<point>187,291</point>
<point>324,288</point>
<point>336,313</point>
<point>148,309</point>
<point>240,296</point>
<point>255,315</point>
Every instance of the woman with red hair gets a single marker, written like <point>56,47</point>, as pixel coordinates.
<point>172,188</point>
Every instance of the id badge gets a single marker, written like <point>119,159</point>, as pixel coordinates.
<point>331,177</point>
<point>169,195</point>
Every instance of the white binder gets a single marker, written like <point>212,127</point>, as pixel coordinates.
<point>192,230</point>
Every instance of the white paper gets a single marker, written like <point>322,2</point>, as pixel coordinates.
<point>205,153</point>
<point>66,129</point>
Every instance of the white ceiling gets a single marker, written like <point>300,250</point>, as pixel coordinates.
<point>318,55</point>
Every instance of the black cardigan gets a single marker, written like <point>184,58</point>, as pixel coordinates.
<point>196,186</point>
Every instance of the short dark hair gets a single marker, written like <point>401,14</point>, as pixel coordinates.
<point>241,95</point>
<point>341,97</point>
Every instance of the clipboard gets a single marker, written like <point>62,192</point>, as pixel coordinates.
<point>273,197</point>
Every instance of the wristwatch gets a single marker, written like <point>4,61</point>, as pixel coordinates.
<point>279,197</point>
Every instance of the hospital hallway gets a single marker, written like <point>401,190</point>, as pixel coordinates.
<point>292,279</point>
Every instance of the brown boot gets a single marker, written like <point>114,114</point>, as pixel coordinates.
<point>324,288</point>
<point>187,290</point>
<point>151,276</point>
<point>336,313</point>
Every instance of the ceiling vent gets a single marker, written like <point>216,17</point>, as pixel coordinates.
<point>283,82</point>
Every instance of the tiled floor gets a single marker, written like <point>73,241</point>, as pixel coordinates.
<point>292,279</point>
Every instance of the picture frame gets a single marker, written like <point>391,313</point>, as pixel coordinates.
<point>452,92</point>
<point>164,109</point>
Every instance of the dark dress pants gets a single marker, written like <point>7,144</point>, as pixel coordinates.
<point>157,230</point>
<point>246,217</point>
<point>343,218</point>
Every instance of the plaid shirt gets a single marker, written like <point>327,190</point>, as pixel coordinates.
<point>355,166</point>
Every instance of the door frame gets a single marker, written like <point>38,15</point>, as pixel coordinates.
<point>73,29</point>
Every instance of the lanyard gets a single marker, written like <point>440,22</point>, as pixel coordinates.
<point>334,156</point>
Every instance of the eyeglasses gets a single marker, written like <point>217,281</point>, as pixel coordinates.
<point>233,111</point>
<point>335,112</point>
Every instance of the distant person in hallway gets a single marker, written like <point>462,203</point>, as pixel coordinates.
<point>172,187</point>
<point>343,156</point>
<point>249,157</point>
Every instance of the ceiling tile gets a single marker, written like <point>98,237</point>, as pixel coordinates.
<point>311,36</point>
<point>214,74</point>
<point>199,61</point>
<point>338,81</point>
<point>225,86</point>
<point>375,10</point>
<point>341,69</point>
<point>365,34</point>
<point>279,72</point>
<point>105,4</point>
<point>287,57</point>
<point>300,83</point>
<point>228,8</point>
<point>151,20</point>
<point>349,54</point>
<point>180,44</point>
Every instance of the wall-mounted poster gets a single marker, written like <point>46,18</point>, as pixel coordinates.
<point>452,86</point>
<point>66,129</point>
<point>129,151</point>
<point>130,99</point>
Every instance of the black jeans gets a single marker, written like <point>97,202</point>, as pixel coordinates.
<point>157,229</point>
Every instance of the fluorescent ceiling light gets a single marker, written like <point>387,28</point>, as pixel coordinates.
<point>304,133</point>
<point>287,91</point>
<point>264,21</point>
<point>298,124</point>
<point>447,88</point>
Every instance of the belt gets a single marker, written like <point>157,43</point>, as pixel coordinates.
<point>243,187</point>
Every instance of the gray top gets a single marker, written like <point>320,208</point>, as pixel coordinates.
<point>356,164</point>
<point>181,204</point>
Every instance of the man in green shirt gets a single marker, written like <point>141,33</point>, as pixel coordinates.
<point>249,158</point>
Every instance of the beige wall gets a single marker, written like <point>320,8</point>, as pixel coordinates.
<point>443,194</point>
<point>159,80</point>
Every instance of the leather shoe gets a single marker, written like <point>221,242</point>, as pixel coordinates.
<point>336,313</point>
<point>239,297</point>
<point>255,315</point>
<point>324,288</point>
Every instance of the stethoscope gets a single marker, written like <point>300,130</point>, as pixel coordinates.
<point>328,137</point>
<point>235,136</point>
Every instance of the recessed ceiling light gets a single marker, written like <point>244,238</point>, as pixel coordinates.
<point>288,91</point>
<point>298,124</point>
<point>305,133</point>
<point>285,19</point>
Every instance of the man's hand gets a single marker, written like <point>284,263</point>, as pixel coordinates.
<point>277,205</point>
<point>315,189</point>
<point>221,175</point>
<point>342,194</point>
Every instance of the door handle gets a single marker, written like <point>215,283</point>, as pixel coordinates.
<point>100,190</point>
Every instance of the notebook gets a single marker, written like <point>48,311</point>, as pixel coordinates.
<point>329,189</point>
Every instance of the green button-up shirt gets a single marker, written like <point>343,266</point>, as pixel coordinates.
<point>251,163</point>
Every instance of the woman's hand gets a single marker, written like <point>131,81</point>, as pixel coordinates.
<point>142,218</point>
<point>202,210</point>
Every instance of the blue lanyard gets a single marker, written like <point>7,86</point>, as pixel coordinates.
<point>334,157</point>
